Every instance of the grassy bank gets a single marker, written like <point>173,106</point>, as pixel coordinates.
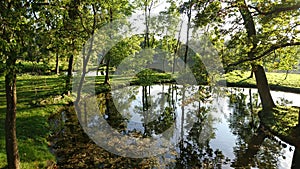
<point>35,104</point>
<point>235,78</point>
<point>276,81</point>
<point>283,122</point>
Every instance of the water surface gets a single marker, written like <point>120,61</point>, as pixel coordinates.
<point>206,128</point>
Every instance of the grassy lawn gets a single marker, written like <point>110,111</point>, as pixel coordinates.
<point>35,104</point>
<point>276,80</point>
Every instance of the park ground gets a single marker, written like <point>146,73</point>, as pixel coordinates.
<point>40,96</point>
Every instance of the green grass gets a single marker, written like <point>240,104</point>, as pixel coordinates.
<point>116,80</point>
<point>236,78</point>
<point>275,80</point>
<point>35,103</point>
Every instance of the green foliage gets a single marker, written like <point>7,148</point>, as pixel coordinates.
<point>34,33</point>
<point>126,48</point>
<point>33,68</point>
<point>275,25</point>
<point>206,12</point>
<point>284,59</point>
<point>146,77</point>
<point>198,69</point>
<point>285,118</point>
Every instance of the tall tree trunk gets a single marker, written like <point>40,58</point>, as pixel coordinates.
<point>176,48</point>
<point>147,17</point>
<point>286,74</point>
<point>260,76</point>
<point>12,153</point>
<point>69,75</point>
<point>189,14</point>
<point>263,88</point>
<point>106,80</point>
<point>296,159</point>
<point>57,63</point>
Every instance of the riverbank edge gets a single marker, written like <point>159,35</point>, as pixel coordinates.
<point>272,87</point>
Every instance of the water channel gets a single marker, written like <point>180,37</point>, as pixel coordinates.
<point>203,127</point>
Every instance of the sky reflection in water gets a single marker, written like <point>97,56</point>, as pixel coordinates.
<point>219,116</point>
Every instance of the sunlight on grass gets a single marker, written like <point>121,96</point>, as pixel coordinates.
<point>276,79</point>
<point>32,118</point>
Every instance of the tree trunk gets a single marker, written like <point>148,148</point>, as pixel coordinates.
<point>57,63</point>
<point>259,72</point>
<point>187,36</point>
<point>263,88</point>
<point>251,74</point>
<point>286,74</point>
<point>69,76</point>
<point>12,153</point>
<point>296,159</point>
<point>106,81</point>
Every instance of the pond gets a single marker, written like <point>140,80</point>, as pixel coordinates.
<point>181,126</point>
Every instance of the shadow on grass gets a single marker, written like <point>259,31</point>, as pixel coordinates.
<point>32,133</point>
<point>32,118</point>
<point>2,132</point>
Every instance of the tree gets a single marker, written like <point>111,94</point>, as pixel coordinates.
<point>17,26</point>
<point>56,34</point>
<point>76,31</point>
<point>255,29</point>
<point>114,10</point>
<point>187,9</point>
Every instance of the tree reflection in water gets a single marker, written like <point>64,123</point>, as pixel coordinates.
<point>255,146</point>
<point>147,111</point>
<point>158,111</point>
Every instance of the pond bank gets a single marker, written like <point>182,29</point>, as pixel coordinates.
<point>74,149</point>
<point>272,87</point>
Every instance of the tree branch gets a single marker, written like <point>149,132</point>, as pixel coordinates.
<point>276,10</point>
<point>272,48</point>
<point>82,23</point>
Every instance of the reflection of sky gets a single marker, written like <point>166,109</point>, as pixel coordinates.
<point>295,98</point>
<point>277,95</point>
<point>225,140</point>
